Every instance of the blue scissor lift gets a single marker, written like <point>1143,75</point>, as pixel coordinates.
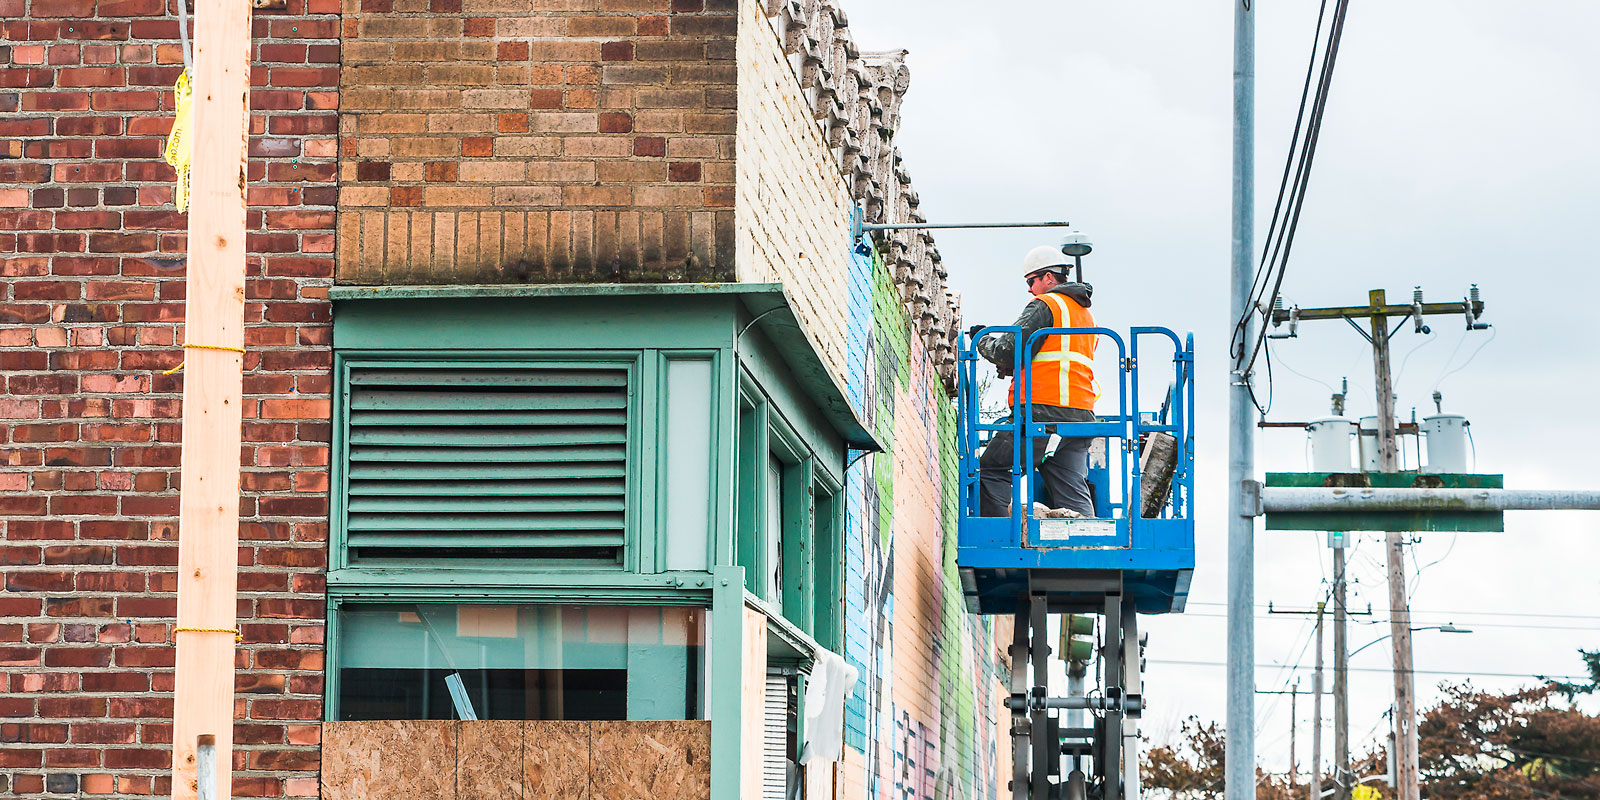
<point>1118,564</point>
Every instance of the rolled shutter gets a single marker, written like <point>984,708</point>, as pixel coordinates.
<point>463,461</point>
<point>775,740</point>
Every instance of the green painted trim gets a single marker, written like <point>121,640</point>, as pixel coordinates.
<point>725,706</point>
<point>827,625</point>
<point>783,632</point>
<point>1411,521</point>
<point>550,290</point>
<point>536,323</point>
<point>729,407</point>
<point>1438,521</point>
<point>490,580</point>
<point>339,480</point>
<point>799,589</point>
<point>1387,480</point>
<point>750,459</point>
<point>644,471</point>
<point>330,660</point>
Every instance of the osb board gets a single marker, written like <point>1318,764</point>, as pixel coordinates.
<point>752,706</point>
<point>489,760</point>
<point>636,760</point>
<point>819,778</point>
<point>412,759</point>
<point>555,761</point>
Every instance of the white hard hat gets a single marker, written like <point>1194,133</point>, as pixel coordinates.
<point>1044,257</point>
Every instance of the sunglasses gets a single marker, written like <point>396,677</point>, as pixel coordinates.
<point>1034,277</point>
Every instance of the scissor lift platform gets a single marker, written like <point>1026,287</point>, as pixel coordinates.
<point>1154,555</point>
<point>1135,556</point>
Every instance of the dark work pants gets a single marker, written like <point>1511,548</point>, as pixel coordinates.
<point>1063,476</point>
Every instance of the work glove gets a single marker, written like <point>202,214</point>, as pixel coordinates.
<point>972,332</point>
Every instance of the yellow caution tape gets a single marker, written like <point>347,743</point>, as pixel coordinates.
<point>179,146</point>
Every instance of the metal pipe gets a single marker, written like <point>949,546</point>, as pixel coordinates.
<point>1321,498</point>
<point>933,225</point>
<point>1240,764</point>
<point>1132,704</point>
<point>205,767</point>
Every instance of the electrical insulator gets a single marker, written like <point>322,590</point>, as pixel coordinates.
<point>1416,294</point>
<point>1473,293</point>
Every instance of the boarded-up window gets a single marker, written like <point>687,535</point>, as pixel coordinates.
<point>490,461</point>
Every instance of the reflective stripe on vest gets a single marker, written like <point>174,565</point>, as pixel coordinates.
<point>1063,369</point>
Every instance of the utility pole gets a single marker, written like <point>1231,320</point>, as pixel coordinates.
<point>1377,312</point>
<point>208,534</point>
<point>1399,604</point>
<point>1341,679</point>
<point>1240,763</point>
<point>1316,716</point>
<point>1294,694</point>
<point>1294,766</point>
<point>1315,783</point>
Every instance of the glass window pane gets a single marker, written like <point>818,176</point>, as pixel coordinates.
<point>774,530</point>
<point>424,661</point>
<point>688,477</point>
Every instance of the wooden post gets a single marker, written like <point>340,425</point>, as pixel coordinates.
<point>1294,767</point>
<point>208,533</point>
<point>1399,610</point>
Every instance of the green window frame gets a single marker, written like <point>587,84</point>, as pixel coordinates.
<point>774,464</point>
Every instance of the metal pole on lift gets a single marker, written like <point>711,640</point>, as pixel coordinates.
<point>1240,778</point>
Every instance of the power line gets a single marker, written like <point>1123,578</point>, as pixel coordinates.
<point>1467,673</point>
<point>1426,618</point>
<point>1281,246</point>
<point>1456,612</point>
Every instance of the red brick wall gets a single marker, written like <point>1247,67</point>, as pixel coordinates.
<point>93,257</point>
<point>547,141</point>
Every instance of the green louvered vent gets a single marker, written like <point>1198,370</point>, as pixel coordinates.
<point>487,462</point>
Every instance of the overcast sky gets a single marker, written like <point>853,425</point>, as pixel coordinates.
<point>1460,147</point>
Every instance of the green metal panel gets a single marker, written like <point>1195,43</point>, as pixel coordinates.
<point>1442,521</point>
<point>529,323</point>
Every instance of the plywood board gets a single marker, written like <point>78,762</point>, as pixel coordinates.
<point>752,707</point>
<point>637,760</point>
<point>412,759</point>
<point>555,760</point>
<point>489,760</point>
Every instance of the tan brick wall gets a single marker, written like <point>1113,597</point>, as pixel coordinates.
<point>793,223</point>
<point>536,140</point>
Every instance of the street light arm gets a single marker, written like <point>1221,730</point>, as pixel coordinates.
<point>1445,628</point>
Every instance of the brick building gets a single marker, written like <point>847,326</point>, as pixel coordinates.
<point>556,327</point>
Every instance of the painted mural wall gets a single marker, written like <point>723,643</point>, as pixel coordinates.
<point>815,139</point>
<point>923,720</point>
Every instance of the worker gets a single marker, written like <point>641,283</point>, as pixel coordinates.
<point>1061,388</point>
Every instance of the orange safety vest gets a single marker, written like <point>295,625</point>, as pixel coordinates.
<point>1063,369</point>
